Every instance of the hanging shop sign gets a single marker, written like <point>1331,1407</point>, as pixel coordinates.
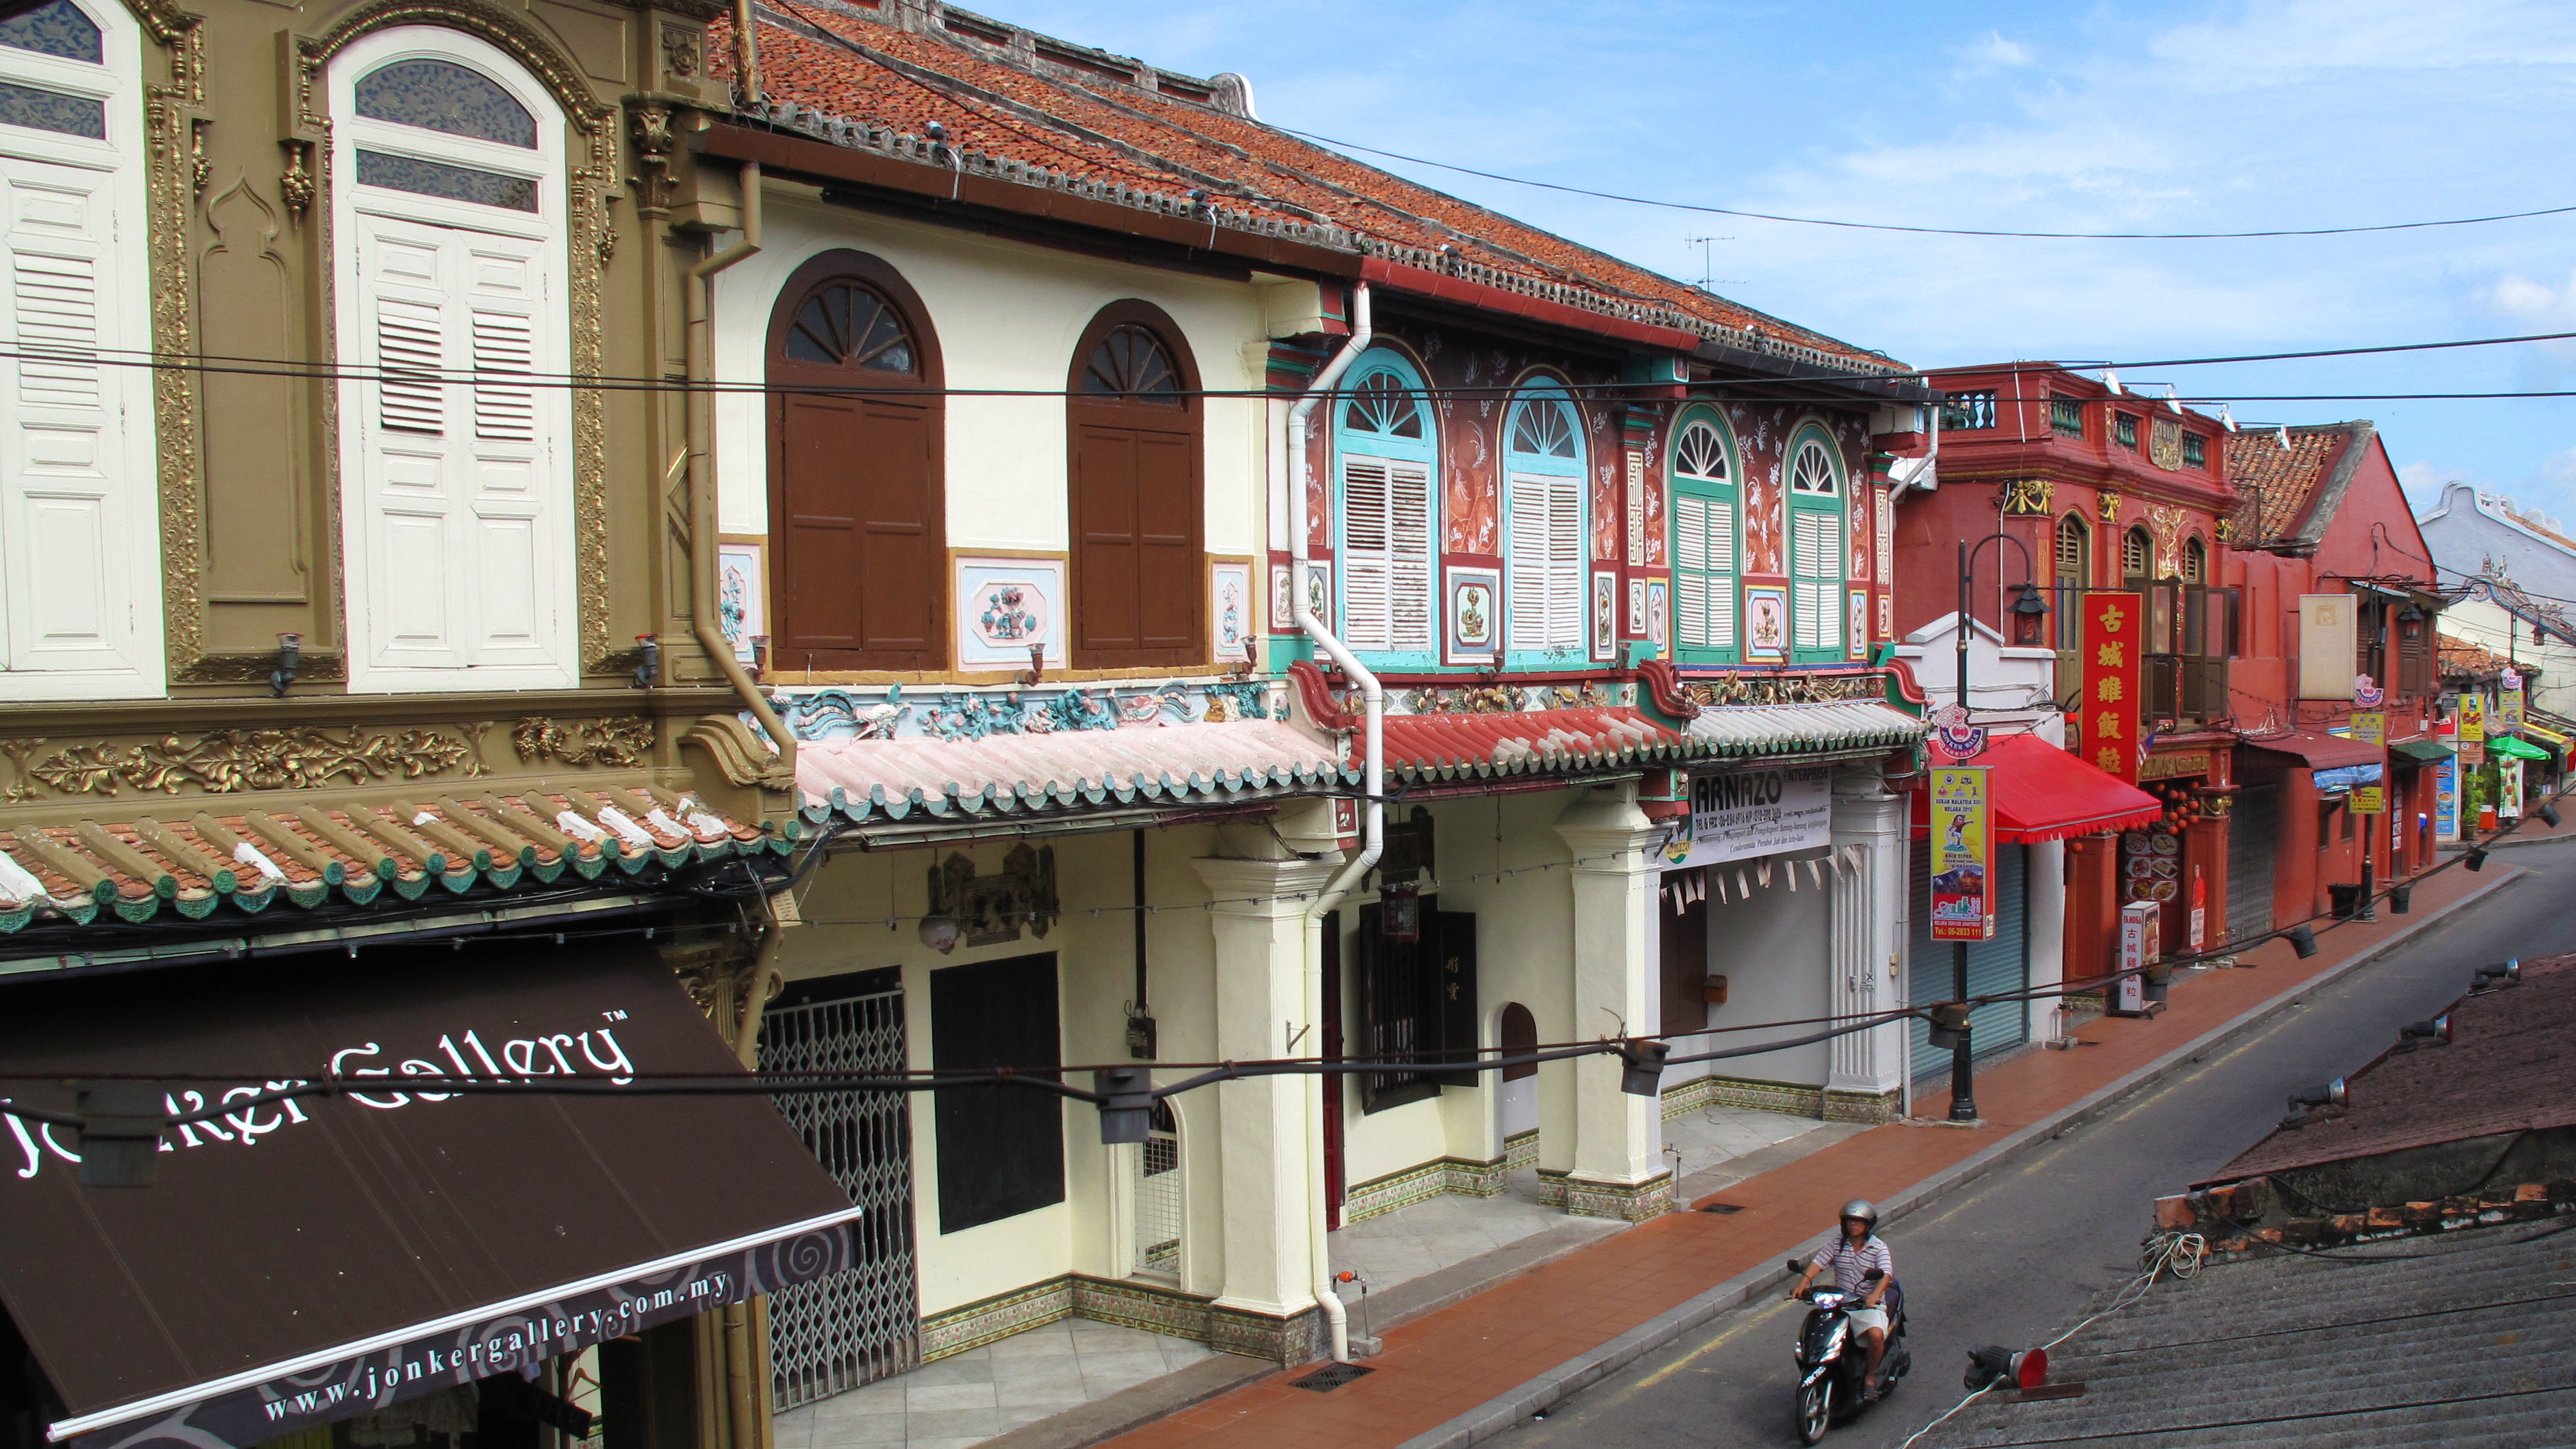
<point>2508,711</point>
<point>2109,710</point>
<point>1745,814</point>
<point>2446,800</point>
<point>2370,726</point>
<point>2370,800</point>
<point>1963,854</point>
<point>2471,743</point>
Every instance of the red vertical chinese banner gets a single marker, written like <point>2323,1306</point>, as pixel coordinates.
<point>2108,711</point>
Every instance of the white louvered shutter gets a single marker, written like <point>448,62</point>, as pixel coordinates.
<point>74,464</point>
<point>1526,588</point>
<point>1565,554</point>
<point>1386,554</point>
<point>457,450</point>
<point>1704,572</point>
<point>1365,588</point>
<point>1816,540</point>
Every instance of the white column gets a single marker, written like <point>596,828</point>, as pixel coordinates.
<point>1868,948</point>
<point>1262,939</point>
<point>1618,1139</point>
<point>2045,883</point>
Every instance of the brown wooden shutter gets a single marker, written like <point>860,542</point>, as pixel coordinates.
<point>1106,615</point>
<point>1139,574</point>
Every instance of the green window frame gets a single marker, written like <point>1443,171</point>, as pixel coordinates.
<point>1707,540</point>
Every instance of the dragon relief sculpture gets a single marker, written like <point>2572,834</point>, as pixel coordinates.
<point>225,761</point>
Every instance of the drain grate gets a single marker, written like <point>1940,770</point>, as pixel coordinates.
<point>1722,1208</point>
<point>1330,1377</point>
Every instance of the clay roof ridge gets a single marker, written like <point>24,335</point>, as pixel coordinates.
<point>2328,496</point>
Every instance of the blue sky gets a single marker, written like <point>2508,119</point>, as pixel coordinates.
<point>2178,116</point>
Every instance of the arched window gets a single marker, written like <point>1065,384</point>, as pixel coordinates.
<point>2073,560</point>
<point>1816,555</point>
<point>1543,525</point>
<point>80,558</point>
<point>1139,575</point>
<point>1386,453</point>
<point>857,516</point>
<point>456,467</point>
<point>1705,528</point>
<point>2137,557</point>
<point>2195,561</point>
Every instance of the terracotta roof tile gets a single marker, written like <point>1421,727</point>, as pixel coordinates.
<point>852,80</point>
<point>2460,659</point>
<point>2278,482</point>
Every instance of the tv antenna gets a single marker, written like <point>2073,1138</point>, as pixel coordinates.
<point>1707,269</point>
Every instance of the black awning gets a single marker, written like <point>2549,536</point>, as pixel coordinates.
<point>296,1263</point>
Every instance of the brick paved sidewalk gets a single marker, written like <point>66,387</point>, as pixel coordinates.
<point>1448,1363</point>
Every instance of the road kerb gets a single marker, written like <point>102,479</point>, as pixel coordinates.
<point>1501,1413</point>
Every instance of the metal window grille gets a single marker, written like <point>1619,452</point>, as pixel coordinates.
<point>833,1334</point>
<point>1158,1196</point>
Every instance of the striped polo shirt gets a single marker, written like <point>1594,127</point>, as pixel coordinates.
<point>1850,1265</point>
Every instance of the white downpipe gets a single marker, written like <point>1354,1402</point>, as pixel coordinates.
<point>1373,837</point>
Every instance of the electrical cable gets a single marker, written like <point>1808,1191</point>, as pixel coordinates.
<point>2313,231</point>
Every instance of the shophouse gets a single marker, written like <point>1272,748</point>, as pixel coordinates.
<point>347,663</point>
<point>2061,490</point>
<point>2330,569</point>
<point>1223,602</point>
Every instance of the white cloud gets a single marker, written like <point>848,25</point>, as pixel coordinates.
<point>1992,52</point>
<point>2515,295</point>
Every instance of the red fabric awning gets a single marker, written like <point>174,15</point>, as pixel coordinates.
<point>2322,751</point>
<point>2044,793</point>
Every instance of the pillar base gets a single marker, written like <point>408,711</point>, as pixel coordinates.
<point>1297,1338</point>
<point>1584,1197</point>
<point>1872,1107</point>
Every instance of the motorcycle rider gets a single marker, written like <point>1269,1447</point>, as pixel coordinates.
<point>1858,1250</point>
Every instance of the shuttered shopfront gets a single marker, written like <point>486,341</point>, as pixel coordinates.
<point>2253,834</point>
<point>1999,964</point>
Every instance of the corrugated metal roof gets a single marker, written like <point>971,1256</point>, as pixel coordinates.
<point>1432,748</point>
<point>196,861</point>
<point>2468,1338</point>
<point>2507,1069</point>
<point>1021,774</point>
<point>1793,729</point>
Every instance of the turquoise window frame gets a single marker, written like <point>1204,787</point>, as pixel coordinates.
<point>1838,506</point>
<point>1382,362</point>
<point>1731,493</point>
<point>1537,465</point>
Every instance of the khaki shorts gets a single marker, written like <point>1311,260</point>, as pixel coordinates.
<point>1863,1319</point>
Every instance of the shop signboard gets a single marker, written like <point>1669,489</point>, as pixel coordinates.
<point>2509,787</point>
<point>2108,711</point>
<point>1745,814</point>
<point>2508,711</point>
<point>2141,922</point>
<point>1963,855</point>
<point>2472,740</point>
<point>2446,800</point>
<point>2370,726</point>
<point>2369,799</point>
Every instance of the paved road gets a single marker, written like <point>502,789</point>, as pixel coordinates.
<point>2020,1254</point>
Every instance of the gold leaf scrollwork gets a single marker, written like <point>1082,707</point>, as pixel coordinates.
<point>224,761</point>
<point>2030,496</point>
<point>619,743</point>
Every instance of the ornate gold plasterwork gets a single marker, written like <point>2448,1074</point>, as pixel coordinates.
<point>2030,496</point>
<point>224,761</point>
<point>1786,689</point>
<point>172,114</point>
<point>589,177</point>
<point>2110,504</point>
<point>624,743</point>
<point>654,142</point>
<point>680,53</point>
<point>2165,522</point>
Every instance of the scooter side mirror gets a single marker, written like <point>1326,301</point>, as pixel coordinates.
<point>1873,1275</point>
<point>1797,1267</point>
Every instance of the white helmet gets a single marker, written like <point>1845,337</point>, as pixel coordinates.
<point>1861,1208</point>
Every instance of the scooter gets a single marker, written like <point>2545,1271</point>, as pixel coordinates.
<point>1833,1364</point>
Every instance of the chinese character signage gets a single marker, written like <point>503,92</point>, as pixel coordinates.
<point>2108,711</point>
<point>2369,800</point>
<point>2370,726</point>
<point>1963,856</point>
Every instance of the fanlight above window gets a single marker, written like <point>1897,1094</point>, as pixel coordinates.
<point>1812,471</point>
<point>1544,428</point>
<point>58,29</point>
<point>1383,404</point>
<point>845,324</point>
<point>1701,453</point>
<point>439,95</point>
<point>1132,365</point>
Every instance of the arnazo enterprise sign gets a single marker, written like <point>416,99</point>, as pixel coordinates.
<point>1750,813</point>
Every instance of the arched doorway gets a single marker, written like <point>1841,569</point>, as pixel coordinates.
<point>1134,420</point>
<point>1516,1102</point>
<point>857,525</point>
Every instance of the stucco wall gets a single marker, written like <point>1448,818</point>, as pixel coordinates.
<point>1007,316</point>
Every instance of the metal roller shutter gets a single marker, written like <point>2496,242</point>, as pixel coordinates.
<point>2000,964</point>
<point>2253,833</point>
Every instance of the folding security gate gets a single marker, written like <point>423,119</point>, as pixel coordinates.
<point>2253,838</point>
<point>836,1333</point>
<point>2001,963</point>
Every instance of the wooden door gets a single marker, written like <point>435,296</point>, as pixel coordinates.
<point>1139,574</point>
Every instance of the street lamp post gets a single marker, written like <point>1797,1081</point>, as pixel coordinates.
<point>1963,1088</point>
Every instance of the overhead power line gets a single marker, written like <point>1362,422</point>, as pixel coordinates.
<point>1925,230</point>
